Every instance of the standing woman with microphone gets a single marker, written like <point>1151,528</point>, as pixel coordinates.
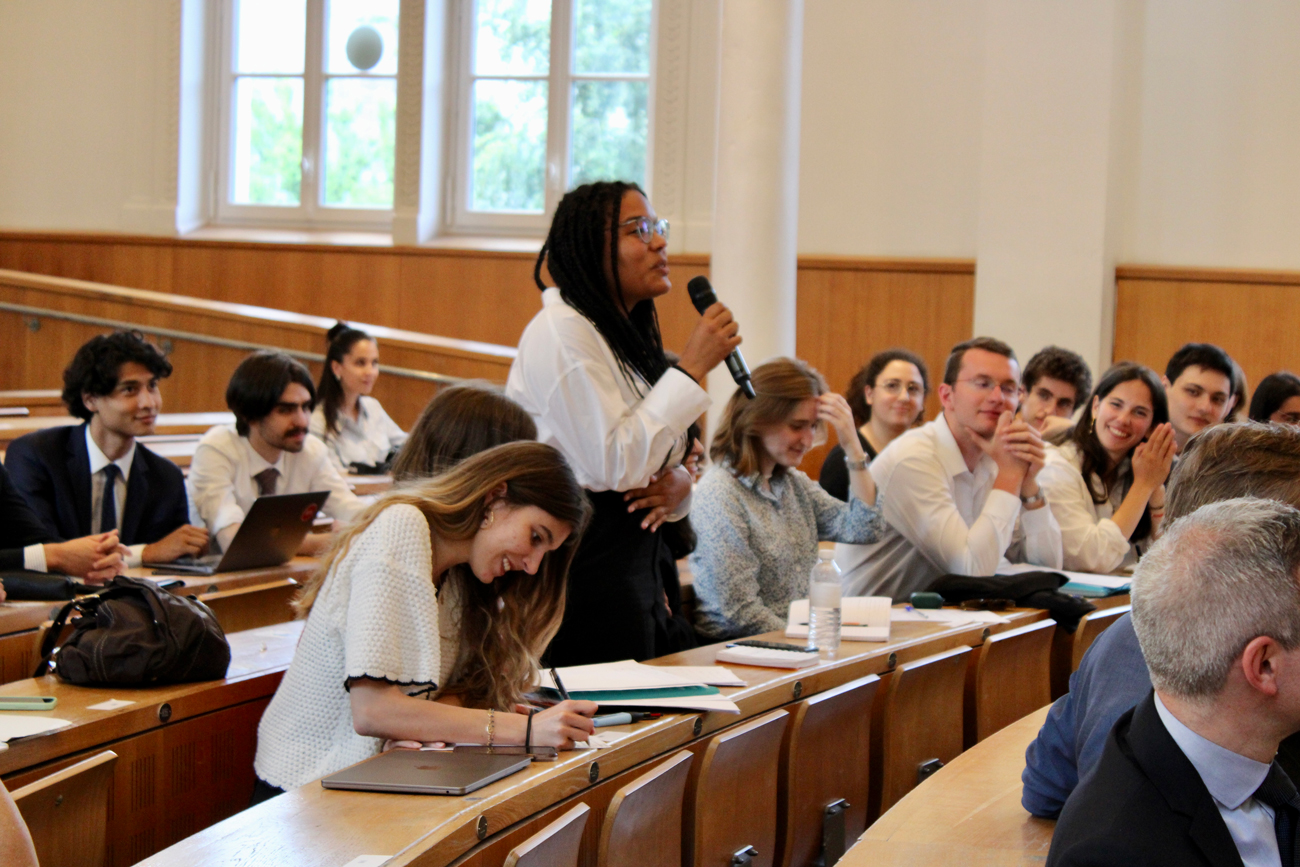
<point>592,373</point>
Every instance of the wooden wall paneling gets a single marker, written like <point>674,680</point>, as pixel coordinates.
<point>474,297</point>
<point>850,309</point>
<point>203,369</point>
<point>1250,314</point>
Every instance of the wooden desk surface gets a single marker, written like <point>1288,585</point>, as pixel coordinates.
<point>314,826</point>
<point>258,659</point>
<point>168,423</point>
<point>22,616</point>
<point>363,485</point>
<point>967,813</point>
<point>299,569</point>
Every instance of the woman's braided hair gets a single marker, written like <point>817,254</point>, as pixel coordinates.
<point>584,227</point>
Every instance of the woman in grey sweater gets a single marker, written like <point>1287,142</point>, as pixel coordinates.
<point>758,518</point>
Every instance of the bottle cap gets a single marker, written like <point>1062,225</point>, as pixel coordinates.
<point>825,553</point>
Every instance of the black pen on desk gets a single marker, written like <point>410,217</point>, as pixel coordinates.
<point>559,684</point>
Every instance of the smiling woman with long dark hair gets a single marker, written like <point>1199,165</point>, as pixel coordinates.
<point>591,372</point>
<point>1106,485</point>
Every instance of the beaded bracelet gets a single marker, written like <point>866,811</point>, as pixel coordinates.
<point>491,726</point>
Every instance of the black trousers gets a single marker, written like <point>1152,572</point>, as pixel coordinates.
<point>617,583</point>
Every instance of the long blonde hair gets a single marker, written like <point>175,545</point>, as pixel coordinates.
<point>780,385</point>
<point>506,625</point>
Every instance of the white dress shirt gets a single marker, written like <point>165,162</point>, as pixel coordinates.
<point>1090,540</point>
<point>615,433</point>
<point>99,460</point>
<point>222,486</point>
<point>34,555</point>
<point>367,439</point>
<point>1232,780</point>
<point>942,518</point>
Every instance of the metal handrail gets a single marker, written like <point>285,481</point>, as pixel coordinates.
<point>227,342</point>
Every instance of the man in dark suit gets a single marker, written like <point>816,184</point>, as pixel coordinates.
<point>25,544</point>
<point>1189,775</point>
<point>93,478</point>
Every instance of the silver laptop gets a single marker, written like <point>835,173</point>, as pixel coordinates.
<point>427,772</point>
<point>269,536</point>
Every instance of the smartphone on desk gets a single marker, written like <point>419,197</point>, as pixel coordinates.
<point>539,754</point>
<point>28,702</point>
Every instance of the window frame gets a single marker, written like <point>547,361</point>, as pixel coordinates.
<point>459,218</point>
<point>310,212</point>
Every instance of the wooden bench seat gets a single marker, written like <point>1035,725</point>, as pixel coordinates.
<point>825,761</point>
<point>1010,675</point>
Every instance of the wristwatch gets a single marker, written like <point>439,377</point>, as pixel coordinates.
<point>1033,502</point>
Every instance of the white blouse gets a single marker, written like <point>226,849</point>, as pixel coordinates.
<point>614,433</point>
<point>1090,540</point>
<point>377,616</point>
<point>366,440</point>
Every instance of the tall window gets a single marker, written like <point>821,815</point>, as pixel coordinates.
<point>554,93</point>
<point>309,111</point>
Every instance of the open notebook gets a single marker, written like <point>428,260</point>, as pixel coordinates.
<point>862,618</point>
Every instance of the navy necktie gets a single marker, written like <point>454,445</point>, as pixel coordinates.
<point>108,508</point>
<point>1279,792</point>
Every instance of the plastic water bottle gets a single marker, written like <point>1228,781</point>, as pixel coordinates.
<point>824,593</point>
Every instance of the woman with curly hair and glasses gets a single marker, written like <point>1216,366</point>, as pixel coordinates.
<point>591,372</point>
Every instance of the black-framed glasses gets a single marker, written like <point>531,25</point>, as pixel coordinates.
<point>646,229</point>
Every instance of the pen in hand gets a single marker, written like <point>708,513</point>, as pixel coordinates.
<point>559,684</point>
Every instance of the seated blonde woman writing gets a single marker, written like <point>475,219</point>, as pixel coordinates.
<point>426,619</point>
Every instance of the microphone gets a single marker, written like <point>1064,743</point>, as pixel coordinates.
<point>703,297</point>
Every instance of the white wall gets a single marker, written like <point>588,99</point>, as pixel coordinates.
<point>88,125</point>
<point>1219,177</point>
<point>891,127</point>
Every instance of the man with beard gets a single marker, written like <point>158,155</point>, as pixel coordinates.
<point>267,451</point>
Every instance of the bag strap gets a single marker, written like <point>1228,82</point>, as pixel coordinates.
<point>51,638</point>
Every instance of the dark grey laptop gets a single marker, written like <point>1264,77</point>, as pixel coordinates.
<point>427,772</point>
<point>269,536</point>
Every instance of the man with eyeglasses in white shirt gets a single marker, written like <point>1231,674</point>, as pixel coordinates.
<point>960,494</point>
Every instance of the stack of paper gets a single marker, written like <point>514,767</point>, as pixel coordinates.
<point>23,726</point>
<point>631,684</point>
<point>946,616</point>
<point>862,618</point>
